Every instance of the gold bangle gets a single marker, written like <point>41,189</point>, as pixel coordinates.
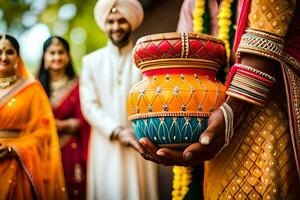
<point>261,45</point>
<point>258,72</point>
<point>264,34</point>
<point>229,130</point>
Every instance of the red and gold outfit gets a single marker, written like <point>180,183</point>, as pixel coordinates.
<point>262,159</point>
<point>73,140</point>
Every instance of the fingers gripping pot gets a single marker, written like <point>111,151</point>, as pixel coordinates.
<point>179,90</point>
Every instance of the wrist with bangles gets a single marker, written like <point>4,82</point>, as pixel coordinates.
<point>228,120</point>
<point>247,81</point>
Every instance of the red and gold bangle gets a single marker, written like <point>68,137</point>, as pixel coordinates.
<point>249,84</point>
<point>256,71</point>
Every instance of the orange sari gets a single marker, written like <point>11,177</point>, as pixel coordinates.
<point>36,171</point>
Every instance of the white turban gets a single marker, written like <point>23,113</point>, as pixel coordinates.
<point>131,10</point>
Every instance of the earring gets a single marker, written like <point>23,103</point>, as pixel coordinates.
<point>16,66</point>
<point>46,67</point>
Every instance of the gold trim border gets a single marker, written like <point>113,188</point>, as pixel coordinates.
<point>265,34</point>
<point>257,43</point>
<point>169,114</point>
<point>178,63</point>
<point>177,35</point>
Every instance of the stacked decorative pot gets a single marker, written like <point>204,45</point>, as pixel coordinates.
<point>179,90</point>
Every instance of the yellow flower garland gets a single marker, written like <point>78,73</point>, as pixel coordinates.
<point>224,23</point>
<point>181,180</point>
<point>198,16</point>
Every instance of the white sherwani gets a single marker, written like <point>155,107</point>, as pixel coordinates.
<point>115,172</point>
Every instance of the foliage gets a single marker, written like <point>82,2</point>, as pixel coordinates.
<point>80,29</point>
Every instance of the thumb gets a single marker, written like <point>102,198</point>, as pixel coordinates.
<point>214,129</point>
<point>206,137</point>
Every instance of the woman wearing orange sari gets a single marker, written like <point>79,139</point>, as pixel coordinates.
<point>30,165</point>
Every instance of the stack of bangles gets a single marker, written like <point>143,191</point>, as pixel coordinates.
<point>249,84</point>
<point>228,117</point>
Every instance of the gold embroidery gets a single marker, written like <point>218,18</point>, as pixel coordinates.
<point>290,59</point>
<point>260,165</point>
<point>295,83</point>
<point>271,16</point>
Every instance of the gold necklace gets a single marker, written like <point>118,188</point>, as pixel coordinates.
<point>58,84</point>
<point>7,81</point>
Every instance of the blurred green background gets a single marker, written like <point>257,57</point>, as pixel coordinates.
<point>33,21</point>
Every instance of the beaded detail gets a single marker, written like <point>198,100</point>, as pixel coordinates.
<point>228,117</point>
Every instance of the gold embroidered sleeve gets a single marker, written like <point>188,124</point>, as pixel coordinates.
<point>268,23</point>
<point>272,16</point>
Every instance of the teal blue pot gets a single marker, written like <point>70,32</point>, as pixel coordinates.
<point>170,131</point>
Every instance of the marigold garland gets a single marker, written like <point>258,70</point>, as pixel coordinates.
<point>224,22</point>
<point>181,181</point>
<point>198,13</point>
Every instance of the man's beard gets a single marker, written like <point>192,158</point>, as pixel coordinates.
<point>122,42</point>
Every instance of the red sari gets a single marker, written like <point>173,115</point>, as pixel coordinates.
<point>74,146</point>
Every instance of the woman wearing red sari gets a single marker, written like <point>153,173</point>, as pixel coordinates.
<point>57,76</point>
<point>30,163</point>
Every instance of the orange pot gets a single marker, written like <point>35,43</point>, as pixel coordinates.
<point>179,90</point>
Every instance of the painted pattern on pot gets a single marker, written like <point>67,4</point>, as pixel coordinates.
<point>179,90</point>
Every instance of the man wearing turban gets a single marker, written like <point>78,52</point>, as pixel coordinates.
<point>115,170</point>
